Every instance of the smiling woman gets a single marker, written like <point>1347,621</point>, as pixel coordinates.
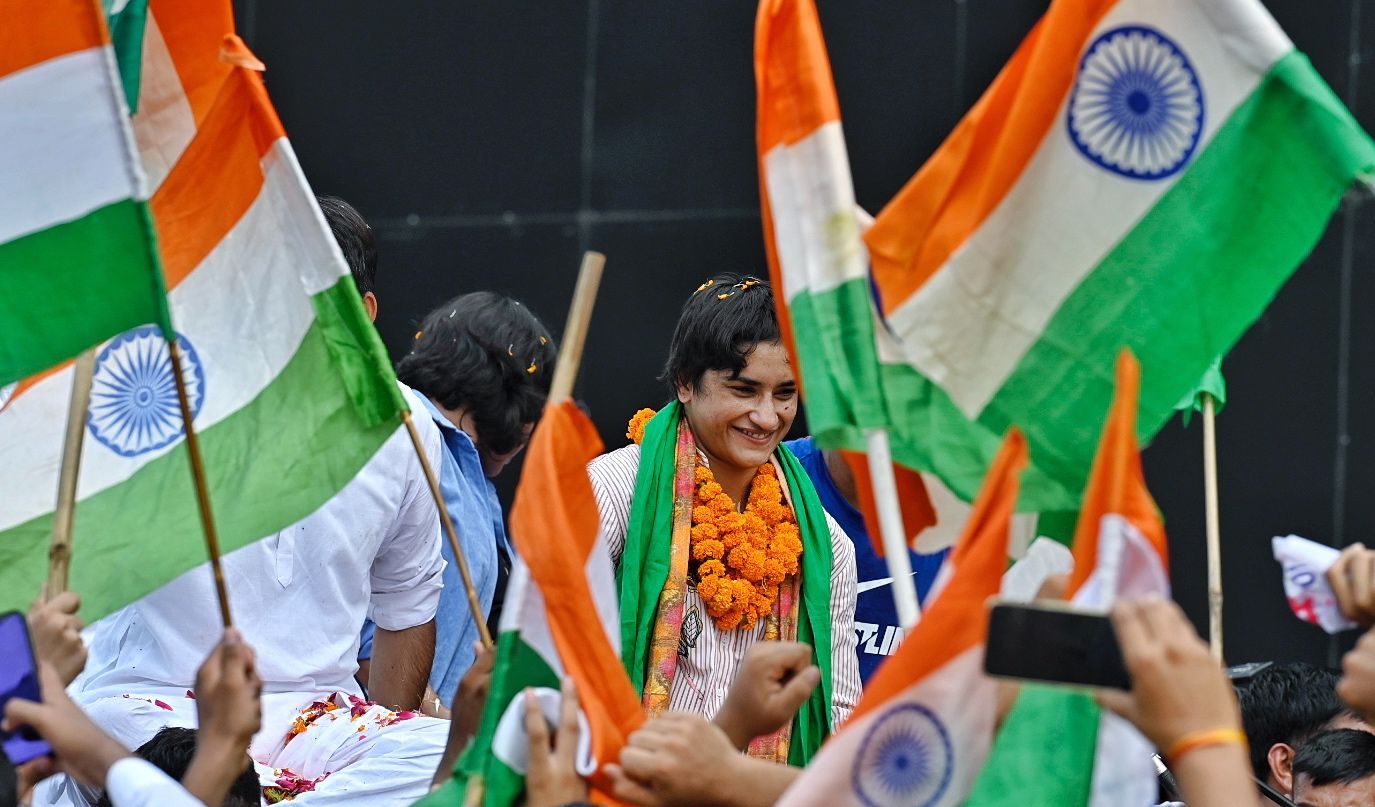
<point>718,535</point>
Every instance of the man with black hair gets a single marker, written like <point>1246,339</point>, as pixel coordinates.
<point>171,751</point>
<point>1282,707</point>
<point>718,535</point>
<point>481,364</point>
<point>1336,769</point>
<point>356,241</point>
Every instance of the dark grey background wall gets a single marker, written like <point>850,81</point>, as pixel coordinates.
<point>491,142</point>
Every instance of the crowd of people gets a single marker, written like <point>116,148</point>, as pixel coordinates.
<point>355,672</point>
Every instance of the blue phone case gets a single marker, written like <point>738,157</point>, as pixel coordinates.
<point>18,679</point>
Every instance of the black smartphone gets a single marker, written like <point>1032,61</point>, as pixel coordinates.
<point>1054,642</point>
<point>18,679</point>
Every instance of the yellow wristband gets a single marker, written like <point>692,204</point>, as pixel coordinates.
<point>1202,739</point>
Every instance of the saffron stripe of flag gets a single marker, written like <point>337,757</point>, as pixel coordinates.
<point>1140,174</point>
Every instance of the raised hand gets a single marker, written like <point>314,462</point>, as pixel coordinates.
<point>773,681</point>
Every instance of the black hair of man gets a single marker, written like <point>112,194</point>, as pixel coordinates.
<point>718,329</point>
<point>1340,756</point>
<point>488,354</point>
<point>1287,703</point>
<point>355,239</point>
<point>171,751</point>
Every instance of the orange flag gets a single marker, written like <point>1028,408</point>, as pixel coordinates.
<point>556,530</point>
<point>1117,486</point>
<point>918,513</point>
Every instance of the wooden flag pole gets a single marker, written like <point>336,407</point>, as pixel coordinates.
<point>474,602</point>
<point>575,329</point>
<point>60,551</point>
<point>193,450</point>
<point>1214,534</point>
<point>890,524</point>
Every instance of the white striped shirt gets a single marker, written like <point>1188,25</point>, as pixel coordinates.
<point>706,670</point>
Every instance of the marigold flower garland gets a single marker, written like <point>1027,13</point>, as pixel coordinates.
<point>740,558</point>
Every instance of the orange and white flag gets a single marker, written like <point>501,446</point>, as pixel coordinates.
<point>925,724</point>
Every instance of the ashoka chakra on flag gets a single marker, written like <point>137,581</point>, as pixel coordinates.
<point>906,758</point>
<point>1137,107</point>
<point>134,407</point>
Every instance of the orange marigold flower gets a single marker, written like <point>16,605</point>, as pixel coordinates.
<point>706,550</point>
<point>708,585</point>
<point>730,619</point>
<point>767,469</point>
<point>724,599</point>
<point>774,571</point>
<point>730,522</point>
<point>701,514</point>
<point>721,505</point>
<point>702,474</point>
<point>708,491</point>
<point>635,430</point>
<point>732,539</point>
<point>705,532</point>
<point>711,569</point>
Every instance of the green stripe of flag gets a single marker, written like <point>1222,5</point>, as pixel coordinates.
<point>1043,755</point>
<point>301,434</point>
<point>517,666</point>
<point>834,334</point>
<point>74,284</point>
<point>126,33</point>
<point>1180,289</point>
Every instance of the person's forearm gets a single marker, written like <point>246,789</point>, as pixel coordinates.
<point>754,783</point>
<point>1216,776</point>
<point>736,733</point>
<point>213,769</point>
<point>401,666</point>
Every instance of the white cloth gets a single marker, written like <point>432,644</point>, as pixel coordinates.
<point>134,782</point>
<point>706,671</point>
<point>299,598</point>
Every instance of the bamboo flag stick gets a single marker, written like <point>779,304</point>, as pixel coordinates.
<point>474,602</point>
<point>193,450</point>
<point>60,551</point>
<point>575,329</point>
<point>890,525</point>
<point>1213,530</point>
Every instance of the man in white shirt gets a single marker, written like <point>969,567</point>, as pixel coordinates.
<point>299,597</point>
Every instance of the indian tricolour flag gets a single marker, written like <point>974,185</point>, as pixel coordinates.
<point>921,732</point>
<point>811,232</point>
<point>1142,173</point>
<point>289,384</point>
<point>75,256</point>
<point>560,619</point>
<point>817,259</point>
<point>1057,748</point>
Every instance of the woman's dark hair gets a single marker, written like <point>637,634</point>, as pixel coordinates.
<point>488,354</point>
<point>719,327</point>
